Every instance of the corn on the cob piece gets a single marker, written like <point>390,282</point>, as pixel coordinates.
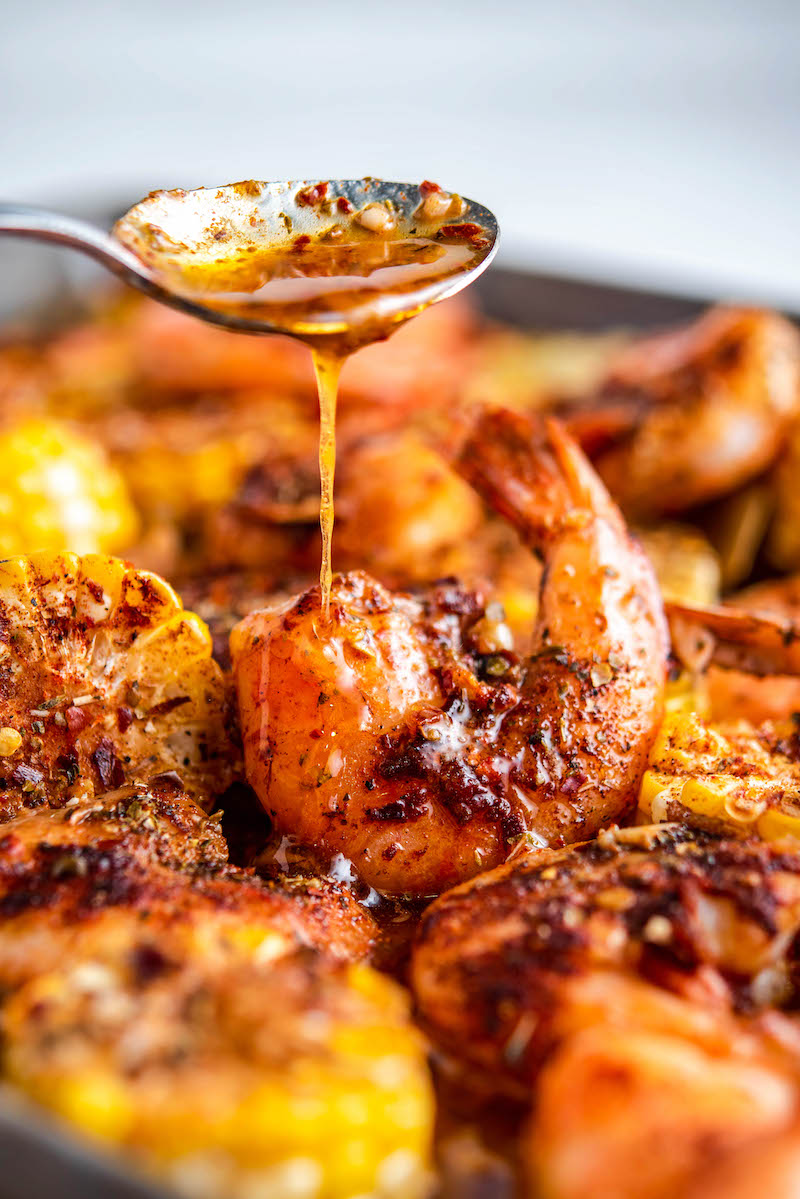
<point>730,778</point>
<point>59,490</point>
<point>282,1076</point>
<point>104,678</point>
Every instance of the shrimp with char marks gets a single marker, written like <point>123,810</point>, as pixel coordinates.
<point>710,406</point>
<point>407,736</point>
<point>627,988</point>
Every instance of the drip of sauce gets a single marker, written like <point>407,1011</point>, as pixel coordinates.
<point>326,367</point>
<point>338,289</point>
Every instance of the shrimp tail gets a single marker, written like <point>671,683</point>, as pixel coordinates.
<point>532,473</point>
<point>757,643</point>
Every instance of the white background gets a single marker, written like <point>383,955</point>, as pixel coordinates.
<point>655,142</point>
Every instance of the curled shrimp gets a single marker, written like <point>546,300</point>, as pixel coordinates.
<point>648,1115</point>
<point>765,1165</point>
<point>659,927</point>
<point>711,406</point>
<point>766,618</point>
<point>407,736</point>
<point>745,654</point>
<point>605,985</point>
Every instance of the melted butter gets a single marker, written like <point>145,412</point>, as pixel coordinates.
<point>327,367</point>
<point>337,292</point>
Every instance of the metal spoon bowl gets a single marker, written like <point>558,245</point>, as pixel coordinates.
<point>169,231</point>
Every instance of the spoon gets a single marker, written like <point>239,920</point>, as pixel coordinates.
<point>166,242</point>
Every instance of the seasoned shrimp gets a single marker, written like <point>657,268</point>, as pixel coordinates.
<point>658,928</point>
<point>405,735</point>
<point>627,988</point>
<point>716,401</point>
<point>744,655</point>
<point>735,694</point>
<point>783,538</point>
<point>81,877</point>
<point>643,1115</point>
<point>764,1165</point>
<point>422,364</point>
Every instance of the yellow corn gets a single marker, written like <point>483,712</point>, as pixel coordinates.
<point>59,490</point>
<point>94,632</point>
<point>347,1113</point>
<point>726,779</point>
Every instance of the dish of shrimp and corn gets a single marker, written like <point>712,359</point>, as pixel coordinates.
<point>490,882</point>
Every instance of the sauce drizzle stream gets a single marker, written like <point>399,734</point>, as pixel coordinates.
<point>327,367</point>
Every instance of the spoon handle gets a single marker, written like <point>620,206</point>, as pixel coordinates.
<point>39,224</point>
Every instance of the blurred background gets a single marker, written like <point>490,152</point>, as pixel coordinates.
<point>652,142</point>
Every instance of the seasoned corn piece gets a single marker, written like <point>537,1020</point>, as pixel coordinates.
<point>105,678</point>
<point>292,1078</point>
<point>733,779</point>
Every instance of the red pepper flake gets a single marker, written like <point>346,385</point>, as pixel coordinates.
<point>124,718</point>
<point>169,705</point>
<point>108,765</point>
<point>426,188</point>
<point>343,204</point>
<point>469,231</point>
<point>77,720</point>
<point>301,242</point>
<point>310,197</point>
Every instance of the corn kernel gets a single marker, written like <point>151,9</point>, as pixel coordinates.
<point>59,490</point>
<point>10,742</point>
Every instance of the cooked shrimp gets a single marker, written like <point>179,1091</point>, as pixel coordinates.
<point>759,1165</point>
<point>404,735</point>
<point>716,403</point>
<point>401,511</point>
<point>737,695</point>
<point>79,878</point>
<point>627,988</point>
<point>759,643</point>
<point>657,929</point>
<point>640,1115</point>
<point>104,678</point>
<point>744,654</point>
<point>422,364</point>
